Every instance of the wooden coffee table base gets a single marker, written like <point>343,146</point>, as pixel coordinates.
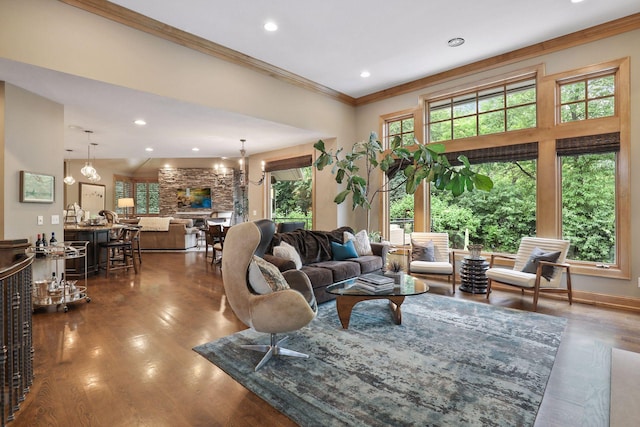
<point>345,303</point>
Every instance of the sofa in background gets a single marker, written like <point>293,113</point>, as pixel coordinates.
<point>167,233</point>
<point>314,248</point>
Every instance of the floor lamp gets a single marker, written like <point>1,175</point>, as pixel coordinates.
<point>125,203</point>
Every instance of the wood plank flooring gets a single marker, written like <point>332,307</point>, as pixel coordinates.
<point>125,358</point>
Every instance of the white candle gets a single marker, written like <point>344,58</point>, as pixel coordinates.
<point>466,238</point>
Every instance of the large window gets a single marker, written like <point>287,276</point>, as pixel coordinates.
<point>147,198</point>
<point>589,206</point>
<point>567,176</point>
<point>497,219</point>
<point>291,190</point>
<point>145,193</point>
<point>400,205</point>
<point>503,108</point>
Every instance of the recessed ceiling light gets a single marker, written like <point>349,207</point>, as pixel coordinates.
<point>271,26</point>
<point>140,122</point>
<point>576,1</point>
<point>148,149</point>
<point>195,149</point>
<point>365,74</point>
<point>455,42</point>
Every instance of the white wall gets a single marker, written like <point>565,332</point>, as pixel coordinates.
<point>33,142</point>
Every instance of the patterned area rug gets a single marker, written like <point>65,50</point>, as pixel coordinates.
<point>451,362</point>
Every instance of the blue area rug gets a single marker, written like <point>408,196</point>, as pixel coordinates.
<point>450,363</point>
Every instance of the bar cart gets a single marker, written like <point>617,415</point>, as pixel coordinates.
<point>59,290</point>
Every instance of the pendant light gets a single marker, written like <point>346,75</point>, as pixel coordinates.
<point>68,178</point>
<point>88,170</point>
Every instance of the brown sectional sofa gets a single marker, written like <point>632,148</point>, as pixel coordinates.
<point>180,235</point>
<point>314,248</point>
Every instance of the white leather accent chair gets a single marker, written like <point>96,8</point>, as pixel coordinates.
<point>275,312</point>
<point>529,281</point>
<point>445,262</point>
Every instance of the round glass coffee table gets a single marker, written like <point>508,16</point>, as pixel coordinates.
<point>348,294</point>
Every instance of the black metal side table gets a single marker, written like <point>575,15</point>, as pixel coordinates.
<point>473,275</point>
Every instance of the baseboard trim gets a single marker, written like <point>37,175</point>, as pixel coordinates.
<point>589,298</point>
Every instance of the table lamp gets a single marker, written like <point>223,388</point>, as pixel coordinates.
<point>125,203</point>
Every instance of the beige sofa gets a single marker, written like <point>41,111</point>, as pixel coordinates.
<point>167,233</point>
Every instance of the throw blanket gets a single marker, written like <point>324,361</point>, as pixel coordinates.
<point>312,245</point>
<point>154,223</point>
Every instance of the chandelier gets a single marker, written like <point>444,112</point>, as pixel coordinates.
<point>244,178</point>
<point>68,178</point>
<point>88,170</point>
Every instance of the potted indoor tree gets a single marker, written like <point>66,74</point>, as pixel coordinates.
<point>417,163</point>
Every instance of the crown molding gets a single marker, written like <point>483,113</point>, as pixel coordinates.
<point>148,25</point>
<point>143,23</point>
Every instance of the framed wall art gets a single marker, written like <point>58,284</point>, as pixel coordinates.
<point>92,197</point>
<point>37,187</point>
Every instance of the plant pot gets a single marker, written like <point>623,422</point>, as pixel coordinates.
<point>398,276</point>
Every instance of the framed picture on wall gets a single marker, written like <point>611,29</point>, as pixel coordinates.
<point>37,187</point>
<point>92,197</point>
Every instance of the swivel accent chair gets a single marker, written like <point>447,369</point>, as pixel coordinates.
<point>273,312</point>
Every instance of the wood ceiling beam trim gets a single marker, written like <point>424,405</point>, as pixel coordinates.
<point>148,25</point>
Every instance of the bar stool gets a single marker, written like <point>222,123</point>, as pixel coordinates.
<point>120,253</point>
<point>217,235</point>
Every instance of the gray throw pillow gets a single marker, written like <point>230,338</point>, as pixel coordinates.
<point>422,251</point>
<point>539,255</point>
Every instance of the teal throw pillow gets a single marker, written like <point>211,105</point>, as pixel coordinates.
<point>342,252</point>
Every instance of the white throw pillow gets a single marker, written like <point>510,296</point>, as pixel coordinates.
<point>265,277</point>
<point>360,241</point>
<point>257,280</point>
<point>286,251</point>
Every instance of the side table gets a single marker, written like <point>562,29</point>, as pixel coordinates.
<point>473,275</point>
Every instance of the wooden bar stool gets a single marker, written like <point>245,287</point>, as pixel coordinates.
<point>217,234</point>
<point>120,252</point>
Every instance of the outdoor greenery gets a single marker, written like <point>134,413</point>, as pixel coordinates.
<point>415,164</point>
<point>292,199</point>
<point>500,218</point>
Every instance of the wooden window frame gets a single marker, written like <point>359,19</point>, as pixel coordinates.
<point>547,131</point>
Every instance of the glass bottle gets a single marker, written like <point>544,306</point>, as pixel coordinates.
<point>53,240</point>
<point>53,285</point>
<point>39,250</point>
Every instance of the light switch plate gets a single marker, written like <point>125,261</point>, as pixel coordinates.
<point>55,219</point>
<point>40,220</point>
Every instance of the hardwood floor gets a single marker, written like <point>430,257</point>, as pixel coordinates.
<point>125,358</point>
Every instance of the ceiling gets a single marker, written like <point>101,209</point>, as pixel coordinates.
<point>396,42</point>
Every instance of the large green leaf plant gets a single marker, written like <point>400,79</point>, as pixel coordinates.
<point>417,163</point>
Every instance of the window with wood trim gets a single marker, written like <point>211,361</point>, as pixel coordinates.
<point>588,169</point>
<point>290,186</point>
<point>122,188</point>
<point>501,108</point>
<point>398,204</point>
<point>147,198</point>
<point>403,128</point>
<point>145,192</point>
<point>587,98</point>
<point>577,179</point>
